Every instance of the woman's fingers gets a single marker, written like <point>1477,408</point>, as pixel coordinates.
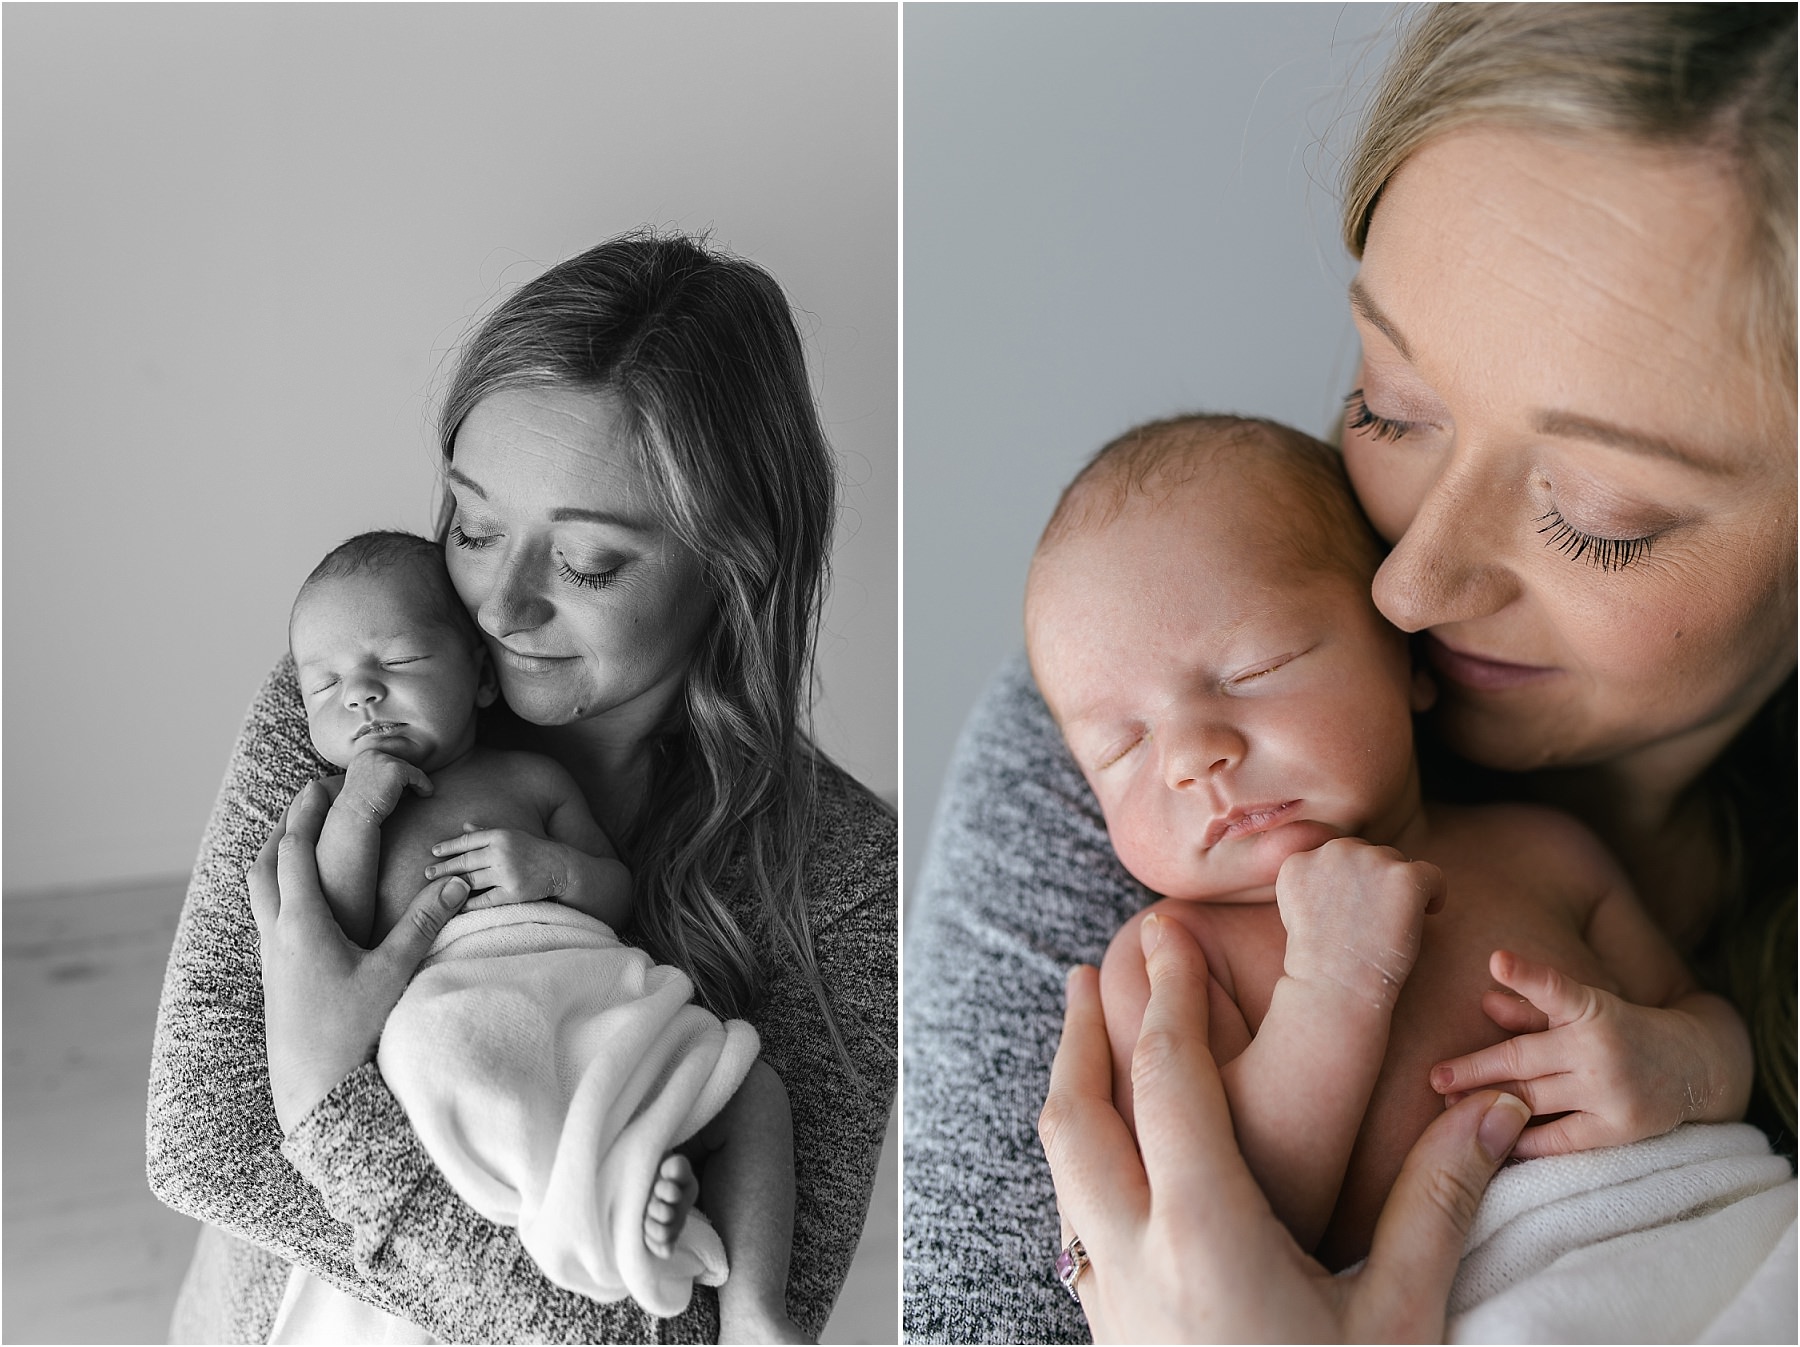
<point>1402,1290</point>
<point>410,940</point>
<point>1183,1120</point>
<point>1093,1163</point>
<point>265,888</point>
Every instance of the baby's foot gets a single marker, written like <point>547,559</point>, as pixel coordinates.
<point>671,1199</point>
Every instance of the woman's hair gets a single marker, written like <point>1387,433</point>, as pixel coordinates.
<point>1717,79</point>
<point>700,352</point>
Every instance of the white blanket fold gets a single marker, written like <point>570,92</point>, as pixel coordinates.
<point>1674,1239</point>
<point>548,1069</point>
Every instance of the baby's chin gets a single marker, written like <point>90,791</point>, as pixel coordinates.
<point>1243,869</point>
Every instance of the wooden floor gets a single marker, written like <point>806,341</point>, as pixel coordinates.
<point>89,1255</point>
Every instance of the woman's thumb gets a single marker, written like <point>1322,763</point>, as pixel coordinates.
<point>1419,1238</point>
<point>410,941</point>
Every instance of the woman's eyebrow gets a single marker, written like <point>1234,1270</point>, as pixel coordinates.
<point>1569,425</point>
<point>1371,314</point>
<point>562,512</point>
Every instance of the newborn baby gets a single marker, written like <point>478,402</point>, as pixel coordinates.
<point>1199,621</point>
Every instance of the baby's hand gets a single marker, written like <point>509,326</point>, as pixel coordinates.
<point>503,865</point>
<point>373,783</point>
<point>1354,913</point>
<point>1615,1071</point>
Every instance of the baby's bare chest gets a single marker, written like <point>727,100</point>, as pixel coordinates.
<point>419,823</point>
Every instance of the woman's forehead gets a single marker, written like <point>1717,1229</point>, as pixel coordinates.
<point>560,452</point>
<point>1593,276</point>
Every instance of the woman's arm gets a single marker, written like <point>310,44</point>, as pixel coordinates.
<point>351,1194</point>
<point>839,1120</point>
<point>1019,883</point>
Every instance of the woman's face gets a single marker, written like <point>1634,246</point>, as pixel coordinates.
<point>1588,484</point>
<point>589,605</point>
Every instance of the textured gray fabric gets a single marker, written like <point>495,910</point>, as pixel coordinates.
<point>1019,883</point>
<point>352,1194</point>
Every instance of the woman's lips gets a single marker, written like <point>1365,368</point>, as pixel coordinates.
<point>1478,672</point>
<point>531,663</point>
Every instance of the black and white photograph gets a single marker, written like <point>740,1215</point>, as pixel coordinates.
<point>452,479</point>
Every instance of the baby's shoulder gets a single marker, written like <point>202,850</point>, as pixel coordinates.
<point>1549,844</point>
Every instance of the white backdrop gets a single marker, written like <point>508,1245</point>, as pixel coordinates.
<point>240,242</point>
<point>1113,213</point>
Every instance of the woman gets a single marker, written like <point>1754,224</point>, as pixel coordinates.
<point>637,512</point>
<point>1575,424</point>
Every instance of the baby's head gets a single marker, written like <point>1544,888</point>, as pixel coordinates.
<point>1198,620</point>
<point>387,656</point>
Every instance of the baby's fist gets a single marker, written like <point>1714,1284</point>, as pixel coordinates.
<point>1354,913</point>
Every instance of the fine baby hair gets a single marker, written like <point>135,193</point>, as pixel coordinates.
<point>1326,529</point>
<point>382,550</point>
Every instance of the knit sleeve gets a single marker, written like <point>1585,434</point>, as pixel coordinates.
<point>1019,883</point>
<point>840,1114</point>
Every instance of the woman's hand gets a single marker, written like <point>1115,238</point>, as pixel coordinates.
<point>1182,1245</point>
<point>324,997</point>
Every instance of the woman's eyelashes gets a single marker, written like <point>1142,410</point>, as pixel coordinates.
<point>475,541</point>
<point>586,579</point>
<point>1609,554</point>
<point>1358,417</point>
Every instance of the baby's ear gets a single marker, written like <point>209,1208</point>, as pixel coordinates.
<point>487,683</point>
<point>1424,690</point>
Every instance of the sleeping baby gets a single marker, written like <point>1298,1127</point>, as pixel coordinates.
<point>559,1078</point>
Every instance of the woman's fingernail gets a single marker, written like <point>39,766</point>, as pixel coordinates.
<point>1150,934</point>
<point>1500,1127</point>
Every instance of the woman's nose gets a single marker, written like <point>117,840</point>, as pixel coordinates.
<point>1200,751</point>
<point>1450,565</point>
<point>515,600</point>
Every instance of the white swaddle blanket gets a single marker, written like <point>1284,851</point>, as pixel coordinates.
<point>548,1069</point>
<point>1687,1237</point>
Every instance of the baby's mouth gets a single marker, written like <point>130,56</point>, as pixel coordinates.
<point>377,727</point>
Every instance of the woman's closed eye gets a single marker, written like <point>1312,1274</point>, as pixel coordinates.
<point>587,579</point>
<point>473,542</point>
<point>1358,417</point>
<point>1609,554</point>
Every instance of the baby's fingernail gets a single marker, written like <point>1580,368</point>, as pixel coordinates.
<point>1442,1077</point>
<point>1150,934</point>
<point>1505,1119</point>
<point>438,850</point>
<point>431,872</point>
<point>455,891</point>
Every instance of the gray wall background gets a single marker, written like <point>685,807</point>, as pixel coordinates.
<point>241,241</point>
<point>1113,213</point>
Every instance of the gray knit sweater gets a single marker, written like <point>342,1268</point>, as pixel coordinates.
<point>351,1193</point>
<point>1019,883</point>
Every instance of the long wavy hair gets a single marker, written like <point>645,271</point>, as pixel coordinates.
<point>700,351</point>
<point>1719,79</point>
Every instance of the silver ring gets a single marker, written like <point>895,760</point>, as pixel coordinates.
<point>1070,1264</point>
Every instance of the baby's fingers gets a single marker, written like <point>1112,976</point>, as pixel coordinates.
<point>1510,1066</point>
<point>1513,1013</point>
<point>469,839</point>
<point>1562,999</point>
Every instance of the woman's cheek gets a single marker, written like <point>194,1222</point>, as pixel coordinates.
<point>1389,482</point>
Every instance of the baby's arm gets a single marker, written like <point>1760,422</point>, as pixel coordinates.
<point>349,848</point>
<point>1299,1088</point>
<point>1618,1068</point>
<point>574,863</point>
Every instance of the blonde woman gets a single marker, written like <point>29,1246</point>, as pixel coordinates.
<point>1574,424</point>
<point>638,505</point>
